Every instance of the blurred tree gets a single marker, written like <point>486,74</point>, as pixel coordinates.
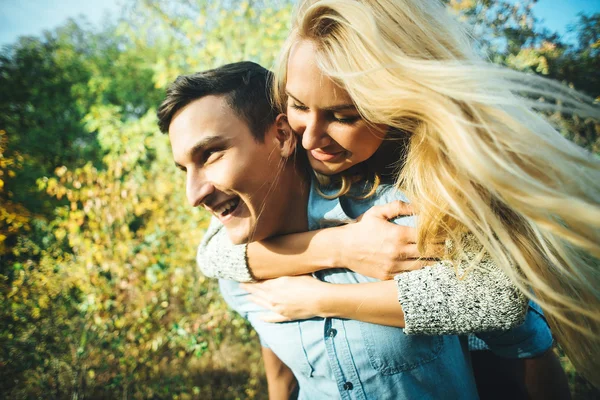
<point>108,300</point>
<point>13,216</point>
<point>40,80</point>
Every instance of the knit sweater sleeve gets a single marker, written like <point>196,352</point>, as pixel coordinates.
<point>436,301</point>
<point>217,257</point>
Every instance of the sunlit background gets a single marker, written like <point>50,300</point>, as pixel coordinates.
<point>99,293</point>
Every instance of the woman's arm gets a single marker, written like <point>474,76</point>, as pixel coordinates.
<point>217,257</point>
<point>431,301</point>
<point>295,254</point>
<point>301,297</point>
<point>372,247</point>
<point>435,301</point>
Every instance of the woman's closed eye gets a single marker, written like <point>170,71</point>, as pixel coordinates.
<point>299,107</point>
<point>346,119</point>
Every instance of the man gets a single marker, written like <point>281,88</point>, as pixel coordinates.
<point>237,165</point>
<point>237,159</point>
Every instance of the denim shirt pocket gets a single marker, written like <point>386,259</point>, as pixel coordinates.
<point>391,351</point>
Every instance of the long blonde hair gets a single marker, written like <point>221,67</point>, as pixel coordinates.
<point>479,158</point>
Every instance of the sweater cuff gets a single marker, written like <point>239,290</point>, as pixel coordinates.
<point>426,311</point>
<point>436,302</point>
<point>217,257</point>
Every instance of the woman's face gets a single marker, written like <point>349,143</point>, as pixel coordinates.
<point>323,114</point>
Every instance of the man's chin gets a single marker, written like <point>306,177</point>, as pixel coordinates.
<point>237,238</point>
<point>244,237</point>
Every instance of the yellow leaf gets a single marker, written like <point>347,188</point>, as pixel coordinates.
<point>43,302</point>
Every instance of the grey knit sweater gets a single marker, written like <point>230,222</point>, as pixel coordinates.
<point>434,300</point>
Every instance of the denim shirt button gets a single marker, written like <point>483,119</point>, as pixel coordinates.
<point>348,386</point>
<point>331,332</point>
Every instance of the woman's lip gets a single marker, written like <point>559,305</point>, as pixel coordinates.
<point>324,156</point>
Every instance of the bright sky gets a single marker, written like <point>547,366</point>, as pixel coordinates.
<point>31,17</point>
<point>557,14</point>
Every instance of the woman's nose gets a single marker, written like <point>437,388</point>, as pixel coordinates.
<point>314,135</point>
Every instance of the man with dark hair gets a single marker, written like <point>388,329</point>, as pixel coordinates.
<point>236,154</point>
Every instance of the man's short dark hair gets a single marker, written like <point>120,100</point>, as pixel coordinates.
<point>246,85</point>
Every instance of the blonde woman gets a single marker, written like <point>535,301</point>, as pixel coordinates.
<point>479,160</point>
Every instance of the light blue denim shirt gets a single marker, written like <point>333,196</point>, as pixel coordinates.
<point>339,358</point>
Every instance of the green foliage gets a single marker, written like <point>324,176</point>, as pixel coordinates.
<point>105,298</point>
<point>99,293</point>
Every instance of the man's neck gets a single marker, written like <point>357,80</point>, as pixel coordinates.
<point>298,209</point>
<point>296,214</point>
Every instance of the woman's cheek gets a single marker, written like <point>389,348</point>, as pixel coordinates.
<point>292,118</point>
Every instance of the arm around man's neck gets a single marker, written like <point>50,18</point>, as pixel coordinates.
<point>287,255</point>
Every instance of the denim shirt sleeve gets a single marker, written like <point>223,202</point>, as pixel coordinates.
<point>530,339</point>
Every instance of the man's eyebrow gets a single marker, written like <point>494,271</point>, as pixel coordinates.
<point>339,107</point>
<point>200,146</point>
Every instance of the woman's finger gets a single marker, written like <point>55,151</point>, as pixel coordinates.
<point>408,252</point>
<point>437,250</point>
<point>414,264</point>
<point>391,210</point>
<point>252,287</point>
<point>261,302</point>
<point>274,317</point>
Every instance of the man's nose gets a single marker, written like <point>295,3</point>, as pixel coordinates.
<point>314,135</point>
<point>198,189</point>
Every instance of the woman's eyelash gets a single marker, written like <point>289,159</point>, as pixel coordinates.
<point>346,120</point>
<point>299,107</point>
<point>343,120</point>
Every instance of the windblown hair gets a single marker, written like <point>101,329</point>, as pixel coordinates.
<point>479,158</point>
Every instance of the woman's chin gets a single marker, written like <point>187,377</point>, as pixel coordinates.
<point>328,168</point>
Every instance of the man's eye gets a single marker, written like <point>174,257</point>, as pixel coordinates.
<point>212,155</point>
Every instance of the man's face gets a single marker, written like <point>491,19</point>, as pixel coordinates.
<point>228,172</point>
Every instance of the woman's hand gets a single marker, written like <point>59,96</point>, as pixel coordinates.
<point>289,298</point>
<point>378,248</point>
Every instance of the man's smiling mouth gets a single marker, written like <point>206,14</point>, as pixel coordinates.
<point>227,208</point>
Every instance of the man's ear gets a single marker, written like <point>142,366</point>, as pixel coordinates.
<point>285,138</point>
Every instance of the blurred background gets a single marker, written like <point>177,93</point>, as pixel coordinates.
<point>99,293</point>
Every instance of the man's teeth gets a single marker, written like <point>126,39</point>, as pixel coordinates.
<point>227,207</point>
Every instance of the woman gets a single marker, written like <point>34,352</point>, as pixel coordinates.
<point>478,160</point>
